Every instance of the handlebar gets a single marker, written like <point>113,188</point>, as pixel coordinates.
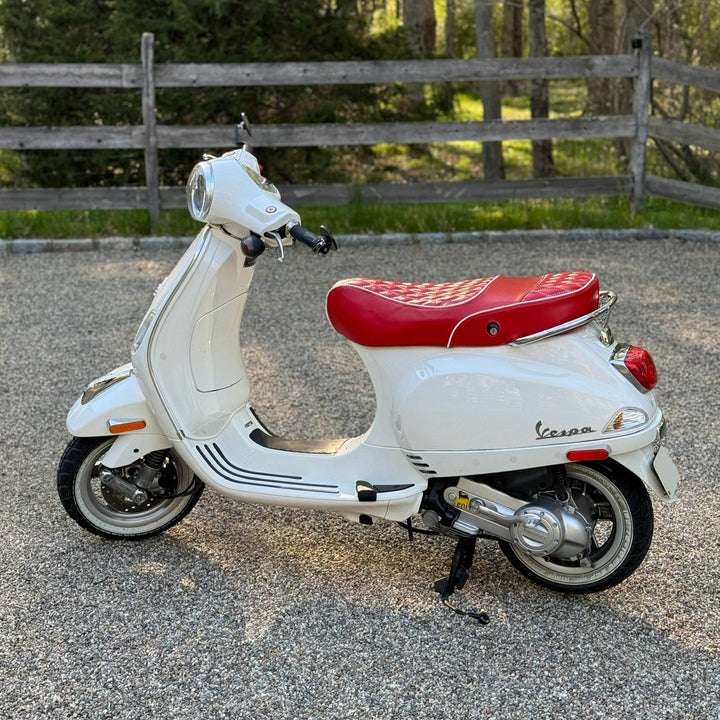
<point>318,244</point>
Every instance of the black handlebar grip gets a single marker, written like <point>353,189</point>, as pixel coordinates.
<point>303,235</point>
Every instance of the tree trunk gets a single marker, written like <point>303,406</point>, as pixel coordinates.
<point>450,28</point>
<point>512,37</point>
<point>420,25</point>
<point>542,150</point>
<point>418,18</point>
<point>445,92</point>
<point>493,166</point>
<point>601,41</point>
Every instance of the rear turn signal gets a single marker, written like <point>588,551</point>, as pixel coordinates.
<point>637,365</point>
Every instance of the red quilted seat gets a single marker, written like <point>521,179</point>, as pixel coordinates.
<point>470,313</point>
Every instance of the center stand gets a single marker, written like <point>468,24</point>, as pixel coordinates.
<point>459,572</point>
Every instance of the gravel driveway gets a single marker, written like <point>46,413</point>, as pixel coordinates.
<point>247,612</point>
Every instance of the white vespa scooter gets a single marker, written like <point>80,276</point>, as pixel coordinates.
<point>505,409</point>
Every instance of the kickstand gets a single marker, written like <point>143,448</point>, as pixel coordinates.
<point>459,568</point>
<point>459,572</point>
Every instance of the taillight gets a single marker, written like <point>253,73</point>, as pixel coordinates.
<point>637,365</point>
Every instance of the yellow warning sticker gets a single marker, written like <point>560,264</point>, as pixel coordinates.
<point>462,502</point>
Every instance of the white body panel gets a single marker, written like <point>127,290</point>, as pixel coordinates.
<point>124,400</point>
<point>461,399</point>
<point>440,412</point>
<point>201,398</point>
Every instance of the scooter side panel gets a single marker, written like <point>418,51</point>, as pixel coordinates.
<point>634,452</point>
<point>507,397</point>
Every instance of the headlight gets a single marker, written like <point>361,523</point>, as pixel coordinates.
<point>104,382</point>
<point>199,191</point>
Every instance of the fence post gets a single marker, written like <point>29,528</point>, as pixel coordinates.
<point>642,44</point>
<point>152,173</point>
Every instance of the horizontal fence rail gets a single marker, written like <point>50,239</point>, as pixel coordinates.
<point>316,134</point>
<point>151,137</point>
<point>350,72</point>
<point>333,193</point>
<point>672,130</point>
<point>671,71</point>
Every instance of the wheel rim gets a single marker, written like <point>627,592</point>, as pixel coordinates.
<point>612,536</point>
<point>111,513</point>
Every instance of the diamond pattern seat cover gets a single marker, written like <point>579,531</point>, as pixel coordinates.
<point>470,313</point>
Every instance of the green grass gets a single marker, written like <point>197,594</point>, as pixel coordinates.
<point>508,215</point>
<point>91,223</point>
<point>363,218</point>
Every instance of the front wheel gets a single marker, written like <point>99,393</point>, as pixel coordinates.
<point>622,527</point>
<point>91,497</point>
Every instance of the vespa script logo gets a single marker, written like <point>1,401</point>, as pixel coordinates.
<point>545,433</point>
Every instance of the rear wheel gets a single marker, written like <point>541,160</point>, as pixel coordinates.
<point>90,493</point>
<point>621,517</point>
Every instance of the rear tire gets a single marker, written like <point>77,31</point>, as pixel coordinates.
<point>101,510</point>
<point>623,528</point>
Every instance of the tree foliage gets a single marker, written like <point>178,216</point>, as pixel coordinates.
<point>277,30</point>
<point>185,31</point>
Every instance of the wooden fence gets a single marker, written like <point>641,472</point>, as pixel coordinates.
<point>639,126</point>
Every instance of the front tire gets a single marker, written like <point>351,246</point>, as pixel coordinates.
<point>622,531</point>
<point>101,510</point>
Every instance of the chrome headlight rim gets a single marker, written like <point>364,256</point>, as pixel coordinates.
<point>103,383</point>
<point>200,190</point>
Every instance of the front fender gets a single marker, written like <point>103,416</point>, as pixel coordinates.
<point>119,400</point>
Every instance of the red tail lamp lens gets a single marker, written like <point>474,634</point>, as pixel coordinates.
<point>641,366</point>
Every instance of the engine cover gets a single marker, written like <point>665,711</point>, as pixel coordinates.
<point>542,527</point>
<point>547,528</point>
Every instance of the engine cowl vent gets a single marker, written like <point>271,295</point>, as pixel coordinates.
<point>418,462</point>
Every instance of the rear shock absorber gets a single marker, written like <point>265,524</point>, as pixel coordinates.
<point>559,481</point>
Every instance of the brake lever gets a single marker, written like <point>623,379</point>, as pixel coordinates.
<point>278,240</point>
<point>329,238</point>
